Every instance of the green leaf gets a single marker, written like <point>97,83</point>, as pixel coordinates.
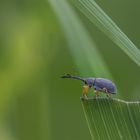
<point>98,17</point>
<point>86,56</point>
<point>112,119</point>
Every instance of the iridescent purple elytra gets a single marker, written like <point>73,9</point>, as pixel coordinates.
<point>99,84</point>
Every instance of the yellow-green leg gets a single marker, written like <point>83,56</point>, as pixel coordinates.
<point>96,93</point>
<point>85,90</point>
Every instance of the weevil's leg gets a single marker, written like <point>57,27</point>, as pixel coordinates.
<point>96,93</point>
<point>85,90</point>
<point>106,92</point>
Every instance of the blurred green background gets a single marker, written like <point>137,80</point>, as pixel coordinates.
<point>35,103</point>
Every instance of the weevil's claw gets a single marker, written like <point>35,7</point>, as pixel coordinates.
<point>107,94</point>
<point>85,96</point>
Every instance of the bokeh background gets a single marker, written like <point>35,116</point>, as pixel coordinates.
<point>35,103</point>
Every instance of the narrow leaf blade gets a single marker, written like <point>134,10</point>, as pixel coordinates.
<point>112,118</point>
<point>98,17</point>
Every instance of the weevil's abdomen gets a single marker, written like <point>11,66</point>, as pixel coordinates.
<point>101,83</point>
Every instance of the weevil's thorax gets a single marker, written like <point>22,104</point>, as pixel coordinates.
<point>89,81</point>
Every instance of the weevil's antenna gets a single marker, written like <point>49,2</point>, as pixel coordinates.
<point>73,77</point>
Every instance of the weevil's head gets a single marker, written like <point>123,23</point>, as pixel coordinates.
<point>89,81</point>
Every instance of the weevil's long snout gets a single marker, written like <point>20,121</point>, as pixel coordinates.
<point>73,77</point>
<point>66,76</point>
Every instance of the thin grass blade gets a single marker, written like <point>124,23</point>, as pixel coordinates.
<point>98,17</point>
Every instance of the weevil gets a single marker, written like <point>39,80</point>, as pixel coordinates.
<point>99,84</point>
